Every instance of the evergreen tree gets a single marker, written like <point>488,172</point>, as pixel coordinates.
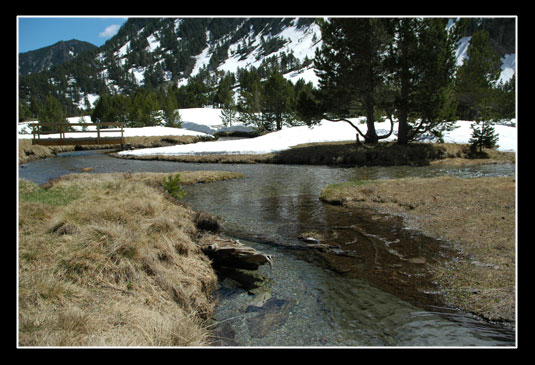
<point>24,111</point>
<point>250,100</point>
<point>111,109</point>
<point>476,78</point>
<point>170,110</point>
<point>143,110</point>
<point>278,101</point>
<point>52,113</point>
<point>484,136</point>
<point>506,99</point>
<point>350,67</point>
<point>420,63</point>
<point>228,114</point>
<point>102,107</point>
<point>224,95</point>
<point>478,91</point>
<point>195,93</point>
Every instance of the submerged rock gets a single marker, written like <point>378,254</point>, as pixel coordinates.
<point>224,335</point>
<point>258,301</point>
<point>273,314</point>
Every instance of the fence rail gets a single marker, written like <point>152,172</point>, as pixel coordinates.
<point>64,128</point>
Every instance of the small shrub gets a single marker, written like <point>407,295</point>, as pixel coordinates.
<point>172,185</point>
<point>484,137</point>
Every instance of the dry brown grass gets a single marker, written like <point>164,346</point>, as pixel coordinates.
<point>108,260</point>
<point>161,141</point>
<point>28,152</point>
<point>476,215</point>
<point>226,159</point>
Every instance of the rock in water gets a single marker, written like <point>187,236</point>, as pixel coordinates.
<point>257,302</point>
<point>271,316</point>
<point>236,256</point>
<point>224,335</point>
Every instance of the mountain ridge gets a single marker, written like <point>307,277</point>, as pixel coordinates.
<point>46,57</point>
<point>159,51</point>
<point>155,52</point>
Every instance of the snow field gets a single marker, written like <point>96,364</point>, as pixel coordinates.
<point>273,142</point>
<point>324,132</point>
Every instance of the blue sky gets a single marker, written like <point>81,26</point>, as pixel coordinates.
<point>39,32</point>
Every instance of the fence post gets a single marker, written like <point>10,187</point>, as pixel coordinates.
<point>98,133</point>
<point>122,135</point>
<point>33,133</point>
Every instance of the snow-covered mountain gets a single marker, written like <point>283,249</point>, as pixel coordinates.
<point>155,51</point>
<point>162,51</point>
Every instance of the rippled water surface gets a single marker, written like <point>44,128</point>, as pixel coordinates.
<point>316,299</point>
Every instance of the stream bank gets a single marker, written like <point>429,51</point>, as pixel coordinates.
<point>347,154</point>
<point>274,209</point>
<point>28,152</point>
<point>112,260</point>
<point>476,216</point>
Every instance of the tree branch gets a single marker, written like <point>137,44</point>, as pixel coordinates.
<point>415,131</point>
<point>360,132</point>
<point>347,121</point>
<point>391,129</point>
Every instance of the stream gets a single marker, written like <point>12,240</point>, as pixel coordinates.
<point>371,290</point>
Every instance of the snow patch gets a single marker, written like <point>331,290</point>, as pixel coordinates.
<point>273,142</point>
<point>461,53</point>
<point>508,68</point>
<point>154,43</point>
<point>324,132</point>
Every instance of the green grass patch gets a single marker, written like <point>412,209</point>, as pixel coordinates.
<point>348,184</point>
<point>336,193</point>
<point>55,196</point>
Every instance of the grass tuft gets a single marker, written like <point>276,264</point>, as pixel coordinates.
<point>108,260</point>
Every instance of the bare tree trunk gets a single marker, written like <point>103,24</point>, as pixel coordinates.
<point>371,135</point>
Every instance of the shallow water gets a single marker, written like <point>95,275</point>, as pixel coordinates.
<point>365,297</point>
<point>330,310</point>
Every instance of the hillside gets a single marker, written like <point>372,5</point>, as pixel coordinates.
<point>156,52</point>
<point>44,58</point>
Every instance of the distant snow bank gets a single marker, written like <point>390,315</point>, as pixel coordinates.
<point>210,118</point>
<point>324,132</point>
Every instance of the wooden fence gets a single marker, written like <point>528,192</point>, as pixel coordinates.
<point>64,129</point>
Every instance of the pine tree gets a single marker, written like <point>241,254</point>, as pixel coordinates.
<point>484,136</point>
<point>24,111</point>
<point>351,72</point>
<point>420,63</point>
<point>278,101</point>
<point>170,110</point>
<point>250,100</point>
<point>228,115</point>
<point>506,99</point>
<point>224,95</point>
<point>477,90</point>
<point>477,77</point>
<point>53,113</point>
<point>143,109</point>
<point>111,109</point>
